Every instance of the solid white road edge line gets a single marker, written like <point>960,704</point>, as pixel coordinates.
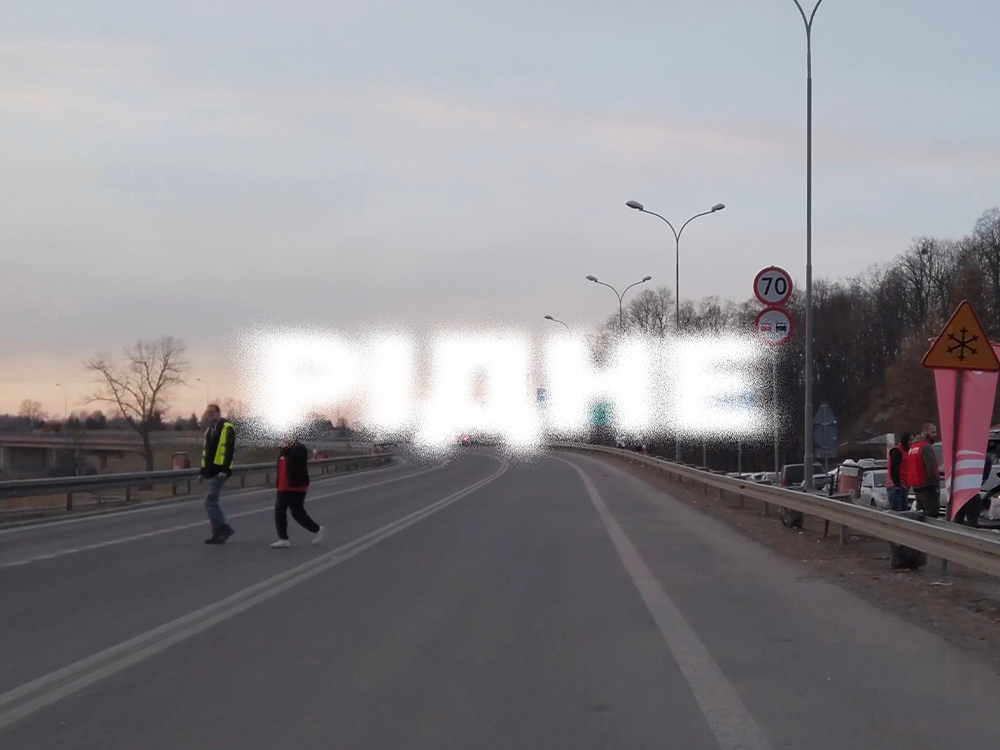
<point>727,716</point>
<point>54,686</point>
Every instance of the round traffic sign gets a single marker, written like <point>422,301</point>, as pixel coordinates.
<point>774,326</point>
<point>773,286</point>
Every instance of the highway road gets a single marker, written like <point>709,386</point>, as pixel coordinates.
<point>476,602</point>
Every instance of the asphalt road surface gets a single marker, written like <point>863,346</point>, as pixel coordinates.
<point>472,603</point>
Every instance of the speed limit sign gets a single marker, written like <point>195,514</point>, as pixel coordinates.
<point>773,286</point>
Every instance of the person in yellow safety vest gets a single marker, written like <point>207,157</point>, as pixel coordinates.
<point>217,467</point>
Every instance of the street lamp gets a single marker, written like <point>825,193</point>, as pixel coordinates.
<point>808,21</point>
<point>207,399</point>
<point>677,241</point>
<point>556,320</point>
<point>677,274</point>
<point>621,315</point>
<point>65,401</point>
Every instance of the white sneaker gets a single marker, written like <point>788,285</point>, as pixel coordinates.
<point>281,544</point>
<point>318,536</point>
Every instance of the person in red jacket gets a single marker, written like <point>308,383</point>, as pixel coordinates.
<point>897,480</point>
<point>292,485</point>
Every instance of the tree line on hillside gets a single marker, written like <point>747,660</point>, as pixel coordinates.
<point>871,330</point>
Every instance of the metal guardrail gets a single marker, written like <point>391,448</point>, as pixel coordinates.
<point>959,544</point>
<point>21,488</point>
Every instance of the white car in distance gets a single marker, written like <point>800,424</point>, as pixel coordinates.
<point>873,490</point>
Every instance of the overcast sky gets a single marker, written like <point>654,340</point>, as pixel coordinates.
<point>186,168</point>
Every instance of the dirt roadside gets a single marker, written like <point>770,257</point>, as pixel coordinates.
<point>959,604</point>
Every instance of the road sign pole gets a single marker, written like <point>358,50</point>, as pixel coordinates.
<point>954,444</point>
<point>774,385</point>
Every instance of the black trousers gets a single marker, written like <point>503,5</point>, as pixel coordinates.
<point>969,513</point>
<point>929,501</point>
<point>296,503</point>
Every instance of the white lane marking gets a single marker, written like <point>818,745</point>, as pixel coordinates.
<point>183,527</point>
<point>181,504</point>
<point>54,686</point>
<point>727,716</point>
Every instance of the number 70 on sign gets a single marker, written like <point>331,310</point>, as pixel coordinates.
<point>773,286</point>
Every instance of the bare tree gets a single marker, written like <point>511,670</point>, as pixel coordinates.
<point>650,312</point>
<point>141,385</point>
<point>32,411</point>
<point>984,249</point>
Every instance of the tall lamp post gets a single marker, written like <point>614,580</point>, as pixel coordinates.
<point>621,297</point>
<point>65,401</point>
<point>207,399</point>
<point>677,244</point>
<point>807,20</point>
<point>556,320</point>
<point>677,281</point>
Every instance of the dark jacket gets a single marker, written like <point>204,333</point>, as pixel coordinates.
<point>896,458</point>
<point>220,444</point>
<point>296,465</point>
<point>931,467</point>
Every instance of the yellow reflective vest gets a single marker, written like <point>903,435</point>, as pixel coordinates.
<point>220,444</point>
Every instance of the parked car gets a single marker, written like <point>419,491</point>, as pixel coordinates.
<point>991,481</point>
<point>793,475</point>
<point>873,490</point>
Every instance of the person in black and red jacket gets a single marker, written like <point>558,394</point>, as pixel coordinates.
<point>292,484</point>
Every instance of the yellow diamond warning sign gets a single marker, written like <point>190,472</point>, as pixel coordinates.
<point>963,344</point>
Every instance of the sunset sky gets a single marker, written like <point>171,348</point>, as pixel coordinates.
<point>194,168</point>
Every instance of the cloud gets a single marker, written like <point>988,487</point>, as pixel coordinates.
<point>121,89</point>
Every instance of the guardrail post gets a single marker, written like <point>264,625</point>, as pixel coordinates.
<point>766,509</point>
<point>189,487</point>
<point>173,489</point>
<point>128,494</point>
<point>243,480</point>
<point>69,501</point>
